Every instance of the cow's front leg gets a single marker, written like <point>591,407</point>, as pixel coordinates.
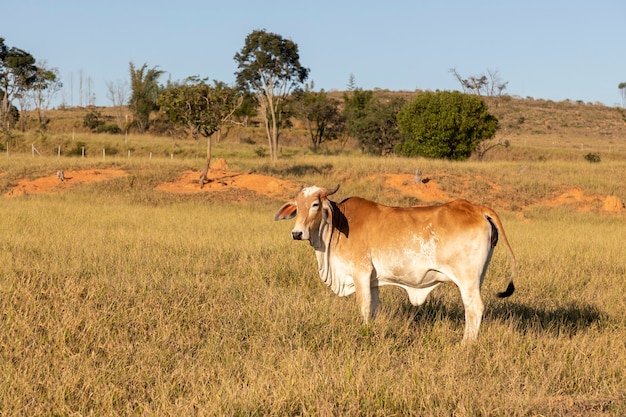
<point>367,297</point>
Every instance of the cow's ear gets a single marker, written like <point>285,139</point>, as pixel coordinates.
<point>327,212</point>
<point>287,211</point>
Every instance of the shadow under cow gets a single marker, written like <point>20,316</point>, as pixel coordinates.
<point>562,320</point>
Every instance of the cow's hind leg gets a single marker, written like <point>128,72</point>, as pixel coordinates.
<point>474,307</point>
<point>375,301</point>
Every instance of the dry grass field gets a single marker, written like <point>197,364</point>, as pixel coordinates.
<point>134,295</point>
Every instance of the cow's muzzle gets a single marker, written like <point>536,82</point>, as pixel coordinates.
<point>296,235</point>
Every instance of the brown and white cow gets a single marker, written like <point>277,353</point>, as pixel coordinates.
<point>361,245</point>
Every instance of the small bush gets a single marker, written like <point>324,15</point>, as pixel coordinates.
<point>97,123</point>
<point>111,128</point>
<point>77,150</point>
<point>93,120</point>
<point>592,157</point>
<point>110,151</point>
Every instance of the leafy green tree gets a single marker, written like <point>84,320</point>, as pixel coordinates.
<point>444,125</point>
<point>622,89</point>
<point>356,104</point>
<point>320,113</point>
<point>372,121</point>
<point>269,66</point>
<point>145,90</point>
<point>18,73</point>
<point>202,107</point>
<point>43,89</point>
<point>381,132</point>
<point>246,110</point>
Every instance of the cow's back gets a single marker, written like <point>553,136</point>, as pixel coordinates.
<point>365,219</point>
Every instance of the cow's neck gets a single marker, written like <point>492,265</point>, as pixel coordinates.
<point>322,243</point>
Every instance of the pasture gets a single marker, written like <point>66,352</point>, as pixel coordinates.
<point>120,299</point>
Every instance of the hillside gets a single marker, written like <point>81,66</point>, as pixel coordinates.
<point>526,122</point>
<point>537,117</point>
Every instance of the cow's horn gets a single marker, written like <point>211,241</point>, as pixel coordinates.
<point>331,192</point>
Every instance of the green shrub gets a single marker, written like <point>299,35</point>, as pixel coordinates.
<point>247,141</point>
<point>77,150</point>
<point>445,124</point>
<point>111,128</point>
<point>93,120</point>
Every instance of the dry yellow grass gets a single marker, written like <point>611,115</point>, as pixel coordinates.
<point>117,299</point>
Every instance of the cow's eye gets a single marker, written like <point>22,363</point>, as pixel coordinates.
<point>315,205</point>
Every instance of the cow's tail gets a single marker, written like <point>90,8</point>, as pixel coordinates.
<point>498,231</point>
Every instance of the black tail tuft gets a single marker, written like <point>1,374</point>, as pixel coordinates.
<point>509,290</point>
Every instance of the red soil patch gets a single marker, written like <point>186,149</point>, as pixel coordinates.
<point>51,183</point>
<point>220,180</point>
<point>577,199</point>
<point>613,204</point>
<point>428,191</point>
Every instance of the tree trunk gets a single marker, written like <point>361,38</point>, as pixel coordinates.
<point>270,109</point>
<point>274,138</point>
<point>263,106</point>
<point>205,171</point>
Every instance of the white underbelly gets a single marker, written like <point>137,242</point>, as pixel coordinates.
<point>417,286</point>
<point>413,268</point>
<point>422,278</point>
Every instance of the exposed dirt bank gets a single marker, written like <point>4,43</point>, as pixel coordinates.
<point>221,179</point>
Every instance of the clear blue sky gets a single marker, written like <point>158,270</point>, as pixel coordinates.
<point>551,49</point>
